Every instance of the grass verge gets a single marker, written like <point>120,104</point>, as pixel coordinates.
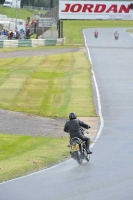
<point>37,48</point>
<point>129,30</point>
<point>42,85</point>
<point>23,154</point>
<point>21,14</point>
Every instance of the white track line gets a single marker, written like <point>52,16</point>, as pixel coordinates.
<point>98,134</point>
<point>98,97</point>
<point>38,172</point>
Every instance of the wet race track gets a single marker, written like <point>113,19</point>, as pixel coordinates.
<point>108,175</point>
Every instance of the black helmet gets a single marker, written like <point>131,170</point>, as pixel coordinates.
<point>72,115</point>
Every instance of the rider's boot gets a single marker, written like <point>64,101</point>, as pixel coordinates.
<point>89,152</point>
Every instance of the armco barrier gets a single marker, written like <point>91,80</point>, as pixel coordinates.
<point>25,43</point>
<point>31,43</point>
<point>50,42</point>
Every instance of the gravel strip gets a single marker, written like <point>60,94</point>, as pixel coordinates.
<point>34,52</point>
<point>26,124</point>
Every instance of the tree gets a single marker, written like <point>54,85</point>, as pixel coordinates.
<point>51,4</point>
<point>39,3</point>
<point>2,1</point>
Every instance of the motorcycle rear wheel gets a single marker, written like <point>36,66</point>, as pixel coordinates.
<point>86,156</point>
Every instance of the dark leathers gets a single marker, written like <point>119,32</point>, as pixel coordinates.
<point>74,128</point>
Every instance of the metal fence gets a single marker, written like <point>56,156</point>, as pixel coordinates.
<point>35,8</point>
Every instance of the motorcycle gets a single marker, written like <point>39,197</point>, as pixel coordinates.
<point>116,37</point>
<point>96,34</point>
<point>78,150</point>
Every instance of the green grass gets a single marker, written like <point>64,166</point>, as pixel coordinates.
<point>129,30</point>
<point>22,154</point>
<point>36,48</point>
<point>41,85</point>
<point>22,13</point>
<point>33,36</point>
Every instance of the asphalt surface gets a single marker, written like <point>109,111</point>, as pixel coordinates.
<point>108,175</point>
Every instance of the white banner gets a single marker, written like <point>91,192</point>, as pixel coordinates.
<point>95,10</point>
<point>47,22</point>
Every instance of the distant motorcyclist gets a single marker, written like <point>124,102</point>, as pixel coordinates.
<point>96,33</point>
<point>74,128</point>
<point>116,33</point>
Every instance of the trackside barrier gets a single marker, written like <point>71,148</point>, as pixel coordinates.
<point>32,42</point>
<point>50,42</point>
<point>25,43</point>
<point>61,41</point>
<point>10,43</point>
<point>1,44</point>
<point>38,42</point>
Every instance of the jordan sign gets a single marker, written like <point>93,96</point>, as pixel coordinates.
<point>95,10</point>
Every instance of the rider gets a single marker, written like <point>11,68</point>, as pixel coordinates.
<point>74,128</point>
<point>116,33</point>
<point>96,33</point>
